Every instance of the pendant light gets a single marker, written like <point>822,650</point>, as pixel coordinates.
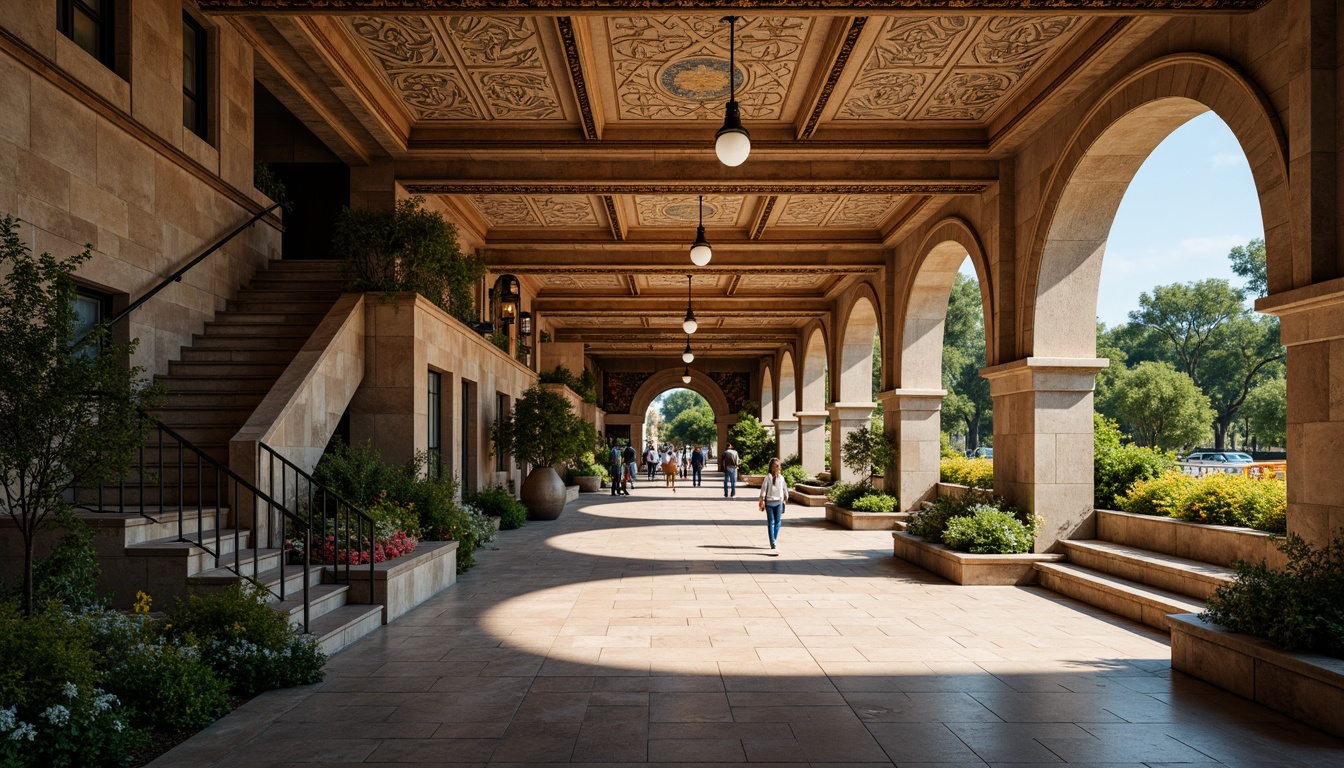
<point>732,143</point>
<point>687,356</point>
<point>689,325</point>
<point>686,375</point>
<point>701,253</point>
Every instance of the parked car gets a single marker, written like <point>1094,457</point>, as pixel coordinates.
<point>983,452</point>
<point>1199,463</point>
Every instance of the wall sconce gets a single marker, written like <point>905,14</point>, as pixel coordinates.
<point>510,294</point>
<point>525,324</point>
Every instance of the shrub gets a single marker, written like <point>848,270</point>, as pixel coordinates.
<point>1163,496</point>
<point>875,502</point>
<point>585,386</point>
<point>83,728</point>
<point>794,474</point>
<point>988,531</point>
<point>791,460</point>
<point>248,644</point>
<point>498,502</point>
<point>542,429</point>
<point>1300,607</point>
<point>867,449</point>
<point>753,443</point>
<point>929,524</point>
<point>40,655</point>
<point>844,495</point>
<point>1222,499</point>
<point>973,473</point>
<point>472,530</point>
<point>1117,467</point>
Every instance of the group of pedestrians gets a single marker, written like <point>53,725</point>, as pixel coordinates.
<point>691,461</point>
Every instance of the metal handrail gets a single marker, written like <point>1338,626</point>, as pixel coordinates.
<point>307,485</point>
<point>176,277</point>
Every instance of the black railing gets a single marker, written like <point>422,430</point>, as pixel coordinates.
<point>336,528</point>
<point>176,277</point>
<point>173,477</point>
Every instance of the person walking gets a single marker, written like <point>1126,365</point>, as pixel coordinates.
<point>729,463</point>
<point>628,456</point>
<point>685,461</point>
<point>617,468</point>
<point>697,466</point>
<point>774,492</point>
<point>651,462</point>
<point>670,470</point>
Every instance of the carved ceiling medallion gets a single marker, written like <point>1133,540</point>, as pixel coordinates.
<point>462,67</point>
<point>681,210</point>
<point>676,67</point>
<point>502,211</point>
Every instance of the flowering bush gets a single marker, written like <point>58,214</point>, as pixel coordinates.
<point>988,531</point>
<point>1216,499</point>
<point>84,728</point>
<point>974,473</point>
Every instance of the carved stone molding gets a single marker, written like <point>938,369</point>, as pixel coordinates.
<point>689,187</point>
<point>536,210</point>
<point>683,210</point>
<point>764,217</point>
<point>835,210</point>
<point>837,67</point>
<point>575,62</point>
<point>513,6</point>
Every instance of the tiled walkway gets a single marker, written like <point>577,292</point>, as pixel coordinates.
<point>659,629</point>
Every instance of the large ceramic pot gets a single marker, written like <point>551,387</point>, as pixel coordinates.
<point>543,494</point>
<point>588,483</point>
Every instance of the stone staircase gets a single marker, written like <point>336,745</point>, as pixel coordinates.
<point>1144,583</point>
<point>210,392</point>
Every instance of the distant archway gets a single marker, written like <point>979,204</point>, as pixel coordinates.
<point>812,416</point>
<point>788,388</point>
<point>767,398</point>
<point>670,378</point>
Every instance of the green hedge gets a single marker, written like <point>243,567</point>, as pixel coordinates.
<point>973,473</point>
<point>986,533</point>
<point>1216,499</point>
<point>876,502</point>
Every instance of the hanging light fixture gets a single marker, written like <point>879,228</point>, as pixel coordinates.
<point>689,325</point>
<point>701,253</point>
<point>686,375</point>
<point>732,143</point>
<point>687,356</point>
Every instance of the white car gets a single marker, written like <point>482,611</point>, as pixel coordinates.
<point>1200,463</point>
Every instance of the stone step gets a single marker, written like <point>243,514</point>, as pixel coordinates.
<point>805,499</point>
<point>225,340</point>
<point>227,371</point>
<point>219,355</point>
<point>1174,574</point>
<point>179,417</point>
<point>323,283</point>
<point>200,383</point>
<point>192,399</point>
<point>265,330</point>
<point>306,266</point>
<point>308,319</point>
<point>155,523</point>
<point>323,599</point>
<point>1131,599</point>
<point>307,292</point>
<point>286,304</point>
<point>345,625</point>
<point>196,556</point>
<point>267,573</point>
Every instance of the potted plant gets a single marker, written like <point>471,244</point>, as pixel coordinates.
<point>543,431</point>
<point>588,473</point>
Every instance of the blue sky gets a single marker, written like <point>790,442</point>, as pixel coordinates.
<point>1192,200</point>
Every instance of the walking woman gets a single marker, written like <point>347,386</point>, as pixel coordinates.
<point>774,491</point>
<point>670,469</point>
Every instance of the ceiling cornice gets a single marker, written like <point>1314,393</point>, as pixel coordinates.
<point>780,6</point>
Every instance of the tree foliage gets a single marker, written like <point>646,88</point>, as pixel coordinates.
<point>693,426</point>
<point>679,400</point>
<point>753,443</point>
<point>1162,406</point>
<point>70,412</point>
<point>1250,261</point>
<point>968,406</point>
<point>1266,409</point>
<point>867,450</point>
<point>543,429</point>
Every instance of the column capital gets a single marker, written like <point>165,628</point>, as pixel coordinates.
<point>1045,374</point>
<point>811,417</point>
<point>895,398</point>
<point>1309,314</point>
<point>785,422</point>
<point>849,410</point>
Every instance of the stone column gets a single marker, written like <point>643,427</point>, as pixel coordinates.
<point>722,445</point>
<point>786,437</point>
<point>812,440</point>
<point>846,418</point>
<point>1043,442</point>
<point>1312,328</point>
<point>914,426</point>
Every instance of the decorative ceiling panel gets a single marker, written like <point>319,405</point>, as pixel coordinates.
<point>537,210</point>
<point>681,210</point>
<point>583,282</point>
<point>463,67</point>
<point>835,210</point>
<point>950,67</point>
<point>676,67</point>
<point>781,282</point>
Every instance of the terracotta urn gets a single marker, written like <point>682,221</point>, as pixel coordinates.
<point>543,493</point>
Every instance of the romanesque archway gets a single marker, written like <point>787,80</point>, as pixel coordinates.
<point>700,383</point>
<point>813,396</point>
<point>786,417</point>
<point>858,330</point>
<point>767,398</point>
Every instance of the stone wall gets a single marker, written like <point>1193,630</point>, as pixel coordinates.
<point>93,156</point>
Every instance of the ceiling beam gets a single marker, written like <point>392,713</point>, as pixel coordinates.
<point>774,7</point>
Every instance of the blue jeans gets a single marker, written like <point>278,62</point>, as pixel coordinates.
<point>633,469</point>
<point>774,515</point>
<point>730,481</point>
<point>695,474</point>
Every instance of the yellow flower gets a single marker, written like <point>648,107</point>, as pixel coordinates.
<point>142,603</point>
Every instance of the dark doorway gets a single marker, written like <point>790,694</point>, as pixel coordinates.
<point>317,192</point>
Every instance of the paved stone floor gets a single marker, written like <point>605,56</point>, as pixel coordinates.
<point>660,629</point>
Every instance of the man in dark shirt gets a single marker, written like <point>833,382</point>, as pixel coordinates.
<point>697,464</point>
<point>729,463</point>
<point>630,458</point>
<point>617,467</point>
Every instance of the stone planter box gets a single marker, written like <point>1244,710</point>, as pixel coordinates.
<point>753,481</point>
<point>951,489</point>
<point>1303,686</point>
<point>864,521</point>
<point>403,583</point>
<point>588,483</point>
<point>571,493</point>
<point>967,569</point>
<point>805,499</point>
<point>1218,544</point>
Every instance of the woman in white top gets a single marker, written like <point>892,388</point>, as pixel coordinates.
<point>774,492</point>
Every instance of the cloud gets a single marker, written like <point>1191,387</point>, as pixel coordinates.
<point>1225,159</point>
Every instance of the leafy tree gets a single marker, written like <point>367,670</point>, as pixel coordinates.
<point>968,405</point>
<point>1249,261</point>
<point>679,400</point>
<point>694,426</point>
<point>877,364</point>
<point>1117,467</point>
<point>1266,409</point>
<point>753,443</point>
<point>70,412</point>
<point>867,449</point>
<point>543,430</point>
<point>1162,405</point>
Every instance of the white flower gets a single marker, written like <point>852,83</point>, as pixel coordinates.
<point>24,731</point>
<point>71,690</point>
<point>117,726</point>
<point>8,717</point>
<point>56,715</point>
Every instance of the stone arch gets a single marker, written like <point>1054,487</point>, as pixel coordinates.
<point>767,396</point>
<point>813,396</point>
<point>1063,272</point>
<point>859,324</point>
<point>788,386</point>
<point>924,301</point>
<point>670,378</point>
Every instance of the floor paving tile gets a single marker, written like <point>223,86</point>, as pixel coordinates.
<point>657,630</point>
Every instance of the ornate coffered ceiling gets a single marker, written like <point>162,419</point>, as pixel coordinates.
<point>504,211</point>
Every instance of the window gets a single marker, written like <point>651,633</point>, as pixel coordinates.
<point>501,413</point>
<point>194,102</point>
<point>90,24</point>
<point>468,478</point>
<point>434,444</point>
<point>91,309</point>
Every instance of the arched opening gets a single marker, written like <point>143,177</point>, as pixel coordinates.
<point>1046,401</point>
<point>681,418</point>
<point>786,416</point>
<point>767,399</point>
<point>857,384</point>
<point>669,380</point>
<point>812,415</point>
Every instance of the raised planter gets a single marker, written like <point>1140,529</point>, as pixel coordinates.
<point>1303,686</point>
<point>968,569</point>
<point>951,489</point>
<point>865,521</point>
<point>588,483</point>
<point>403,583</point>
<point>571,493</point>
<point>807,496</point>
<point>753,481</point>
<point>1218,544</point>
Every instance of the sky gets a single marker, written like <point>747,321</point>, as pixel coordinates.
<point>1190,203</point>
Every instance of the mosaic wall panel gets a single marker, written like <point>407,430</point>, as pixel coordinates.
<point>950,67</point>
<point>619,388</point>
<point>676,67</point>
<point>736,386</point>
<point>682,210</point>
<point>537,210</point>
<point>462,67</point>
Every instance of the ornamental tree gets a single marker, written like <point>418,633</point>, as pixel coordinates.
<point>542,430</point>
